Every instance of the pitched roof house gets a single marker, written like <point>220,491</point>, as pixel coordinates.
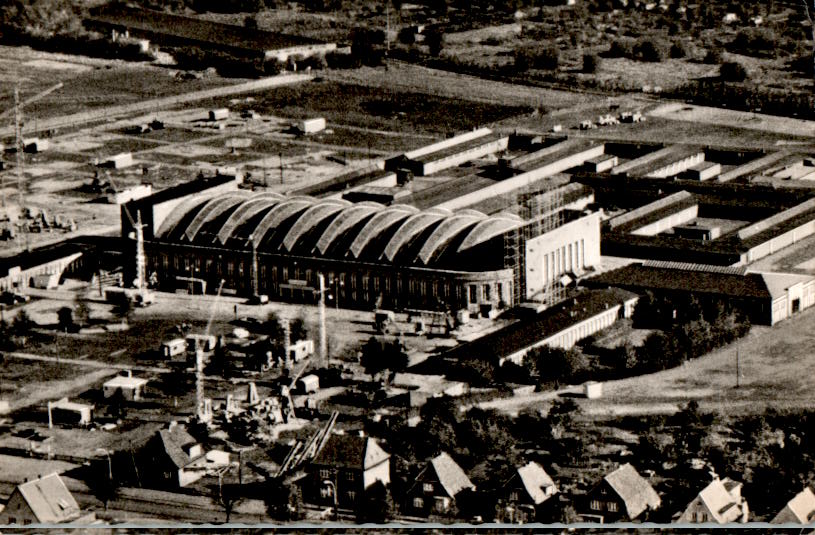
<point>799,510</point>
<point>346,465</point>
<point>720,502</point>
<point>437,486</point>
<point>170,458</point>
<point>525,490</point>
<point>42,501</point>
<point>622,495</point>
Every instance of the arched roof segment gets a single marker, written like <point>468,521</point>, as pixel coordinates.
<point>445,232</point>
<point>277,215</point>
<point>179,212</point>
<point>486,230</point>
<point>311,218</point>
<point>414,225</point>
<point>344,221</point>
<point>213,209</point>
<point>246,211</point>
<point>377,224</point>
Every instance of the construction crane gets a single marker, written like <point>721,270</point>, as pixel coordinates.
<point>19,148</point>
<point>203,412</point>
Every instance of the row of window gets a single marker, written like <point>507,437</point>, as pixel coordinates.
<point>568,258</point>
<point>597,505</point>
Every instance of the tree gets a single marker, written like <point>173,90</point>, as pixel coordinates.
<point>274,328</point>
<point>678,49</point>
<point>123,309</point>
<point>434,39</point>
<point>6,341</point>
<point>228,496</point>
<point>381,355</point>
<point>297,329</point>
<point>250,22</point>
<point>652,50</point>
<point>536,57</point>
<point>82,313</point>
<point>732,71</point>
<point>561,416</point>
<point>65,318</point>
<point>101,481</point>
<point>591,63</point>
<point>283,502</point>
<point>219,363</point>
<point>377,505</point>
<point>22,325</point>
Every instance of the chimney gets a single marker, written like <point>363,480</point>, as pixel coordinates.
<point>173,425</point>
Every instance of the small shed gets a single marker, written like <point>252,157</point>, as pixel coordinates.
<point>35,145</point>
<point>219,114</point>
<point>175,349</point>
<point>132,388</point>
<point>204,342</point>
<point>593,389</point>
<point>118,161</point>
<point>308,383</point>
<point>300,350</point>
<point>311,126</point>
<point>69,413</point>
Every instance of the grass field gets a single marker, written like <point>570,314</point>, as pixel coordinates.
<point>380,108</point>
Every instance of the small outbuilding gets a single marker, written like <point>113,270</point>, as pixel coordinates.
<point>311,126</point>
<point>119,161</point>
<point>308,383</point>
<point>69,413</point>
<point>219,114</point>
<point>175,349</point>
<point>593,389</point>
<point>132,388</point>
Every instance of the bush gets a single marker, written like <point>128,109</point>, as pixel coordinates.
<point>714,56</point>
<point>757,42</point>
<point>678,50</point>
<point>732,71</point>
<point>590,63</point>
<point>652,50</point>
<point>545,58</point>
<point>621,48</point>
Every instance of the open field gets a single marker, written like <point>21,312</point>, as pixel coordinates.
<point>735,119</point>
<point>385,108</point>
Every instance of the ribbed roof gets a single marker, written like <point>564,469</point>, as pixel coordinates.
<point>334,228</point>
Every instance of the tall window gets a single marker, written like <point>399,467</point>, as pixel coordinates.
<point>473,293</point>
<point>612,507</point>
<point>427,487</point>
<point>418,503</point>
<point>595,505</point>
<point>487,293</point>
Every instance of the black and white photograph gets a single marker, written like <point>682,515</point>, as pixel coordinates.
<point>397,265</point>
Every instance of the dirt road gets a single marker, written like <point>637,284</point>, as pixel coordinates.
<point>38,393</point>
<point>112,112</point>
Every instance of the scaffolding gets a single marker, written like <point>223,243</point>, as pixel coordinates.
<point>540,206</point>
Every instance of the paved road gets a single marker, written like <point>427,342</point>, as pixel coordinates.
<point>87,363</point>
<point>144,106</point>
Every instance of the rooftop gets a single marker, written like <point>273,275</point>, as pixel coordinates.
<point>122,381</point>
<point>634,490</point>
<point>461,147</point>
<point>525,333</point>
<point>450,475</point>
<point>351,451</point>
<point>50,500</point>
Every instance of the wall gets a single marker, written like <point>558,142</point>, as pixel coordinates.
<point>649,208</point>
<point>427,149</point>
<point>779,242</point>
<point>21,278</point>
<point>674,168</point>
<point>459,158</point>
<point>572,247</point>
<point>380,472</point>
<point>18,509</point>
<point>568,337</point>
<point>661,225</point>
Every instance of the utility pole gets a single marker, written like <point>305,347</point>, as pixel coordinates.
<point>323,342</point>
<point>18,154</point>
<point>738,368</point>
<point>281,167</point>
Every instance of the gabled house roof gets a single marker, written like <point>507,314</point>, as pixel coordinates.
<point>176,443</point>
<point>50,500</point>
<point>535,480</point>
<point>635,491</point>
<point>722,500</point>
<point>802,507</point>
<point>450,475</point>
<point>351,451</point>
